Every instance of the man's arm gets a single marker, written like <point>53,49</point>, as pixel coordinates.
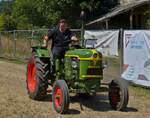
<point>46,39</point>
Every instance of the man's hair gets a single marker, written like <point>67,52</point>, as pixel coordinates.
<point>62,21</point>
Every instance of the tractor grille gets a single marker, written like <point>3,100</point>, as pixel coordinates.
<point>94,71</point>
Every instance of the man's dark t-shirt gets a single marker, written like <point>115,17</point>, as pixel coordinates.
<point>59,42</point>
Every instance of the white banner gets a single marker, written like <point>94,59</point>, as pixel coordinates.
<point>107,41</point>
<point>137,57</point>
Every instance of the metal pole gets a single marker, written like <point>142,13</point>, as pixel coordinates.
<point>106,24</point>
<point>32,33</point>
<point>131,19</point>
<point>82,15</point>
<point>0,45</point>
<point>82,33</point>
<point>15,43</point>
<point>121,50</point>
<point>32,38</point>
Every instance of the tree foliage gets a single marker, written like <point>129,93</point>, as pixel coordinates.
<point>30,14</point>
<point>7,22</point>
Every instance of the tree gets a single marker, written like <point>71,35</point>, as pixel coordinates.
<point>31,14</point>
<point>26,14</point>
<point>7,22</point>
<point>148,16</point>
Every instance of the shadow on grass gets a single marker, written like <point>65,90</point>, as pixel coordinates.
<point>73,111</point>
<point>130,109</point>
<point>48,98</point>
<point>98,102</point>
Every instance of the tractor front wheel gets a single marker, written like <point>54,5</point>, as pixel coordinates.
<point>118,94</point>
<point>60,96</point>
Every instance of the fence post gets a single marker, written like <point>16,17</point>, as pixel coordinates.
<point>121,50</point>
<point>32,38</point>
<point>0,45</point>
<point>14,43</point>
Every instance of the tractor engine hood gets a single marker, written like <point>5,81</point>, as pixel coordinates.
<point>84,53</point>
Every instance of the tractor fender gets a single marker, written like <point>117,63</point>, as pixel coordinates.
<point>42,52</point>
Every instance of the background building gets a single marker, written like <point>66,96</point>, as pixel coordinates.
<point>129,14</point>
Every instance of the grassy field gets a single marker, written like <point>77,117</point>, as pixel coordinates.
<point>15,103</point>
<point>19,44</point>
<point>21,47</point>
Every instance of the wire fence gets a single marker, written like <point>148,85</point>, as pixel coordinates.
<point>17,44</point>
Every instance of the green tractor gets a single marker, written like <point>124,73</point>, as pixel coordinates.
<point>81,73</point>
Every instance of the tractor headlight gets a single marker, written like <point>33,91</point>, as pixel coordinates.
<point>95,55</point>
<point>74,64</point>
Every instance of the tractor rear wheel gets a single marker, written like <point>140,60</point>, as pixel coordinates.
<point>118,94</point>
<point>60,96</point>
<point>37,77</point>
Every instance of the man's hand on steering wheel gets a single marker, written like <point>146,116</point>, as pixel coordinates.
<point>44,45</point>
<point>74,38</point>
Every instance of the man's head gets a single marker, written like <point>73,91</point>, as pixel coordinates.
<point>62,25</point>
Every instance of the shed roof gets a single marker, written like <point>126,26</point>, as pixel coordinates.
<point>119,10</point>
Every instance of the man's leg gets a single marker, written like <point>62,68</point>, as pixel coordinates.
<point>56,57</point>
<point>58,54</point>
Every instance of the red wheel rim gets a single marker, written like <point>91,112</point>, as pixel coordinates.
<point>31,76</point>
<point>58,96</point>
<point>115,96</point>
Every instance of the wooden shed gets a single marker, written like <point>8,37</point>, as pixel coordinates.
<point>129,14</point>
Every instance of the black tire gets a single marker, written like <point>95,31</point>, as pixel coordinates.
<point>118,94</point>
<point>37,76</point>
<point>60,89</point>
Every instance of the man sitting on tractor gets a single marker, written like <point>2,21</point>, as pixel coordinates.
<point>60,40</point>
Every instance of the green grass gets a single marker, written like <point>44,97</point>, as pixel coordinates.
<point>139,91</point>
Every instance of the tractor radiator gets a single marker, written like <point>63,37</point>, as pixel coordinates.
<point>94,71</point>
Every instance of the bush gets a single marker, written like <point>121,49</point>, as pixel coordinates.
<point>7,22</point>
